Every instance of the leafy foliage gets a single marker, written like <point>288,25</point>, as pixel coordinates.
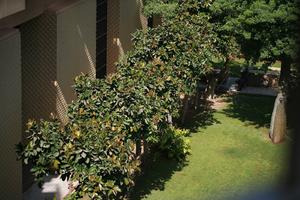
<point>265,30</point>
<point>164,8</point>
<point>100,161</point>
<point>97,147</point>
<point>175,143</point>
<point>186,43</point>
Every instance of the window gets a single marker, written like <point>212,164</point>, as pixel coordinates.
<point>101,43</point>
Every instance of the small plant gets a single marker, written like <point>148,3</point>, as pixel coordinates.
<point>175,143</point>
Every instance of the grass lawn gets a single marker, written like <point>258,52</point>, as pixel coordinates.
<point>237,65</point>
<point>228,157</point>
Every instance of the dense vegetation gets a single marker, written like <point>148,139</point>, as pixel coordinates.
<point>164,8</point>
<point>99,149</point>
<point>114,119</point>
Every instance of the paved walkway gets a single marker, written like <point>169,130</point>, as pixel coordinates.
<point>259,91</point>
<point>232,86</point>
<point>53,187</point>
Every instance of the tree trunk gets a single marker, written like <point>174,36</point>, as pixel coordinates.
<point>197,98</point>
<point>212,88</point>
<point>285,70</point>
<point>185,110</point>
<point>278,125</point>
<point>211,85</point>
<point>138,148</point>
<point>224,71</point>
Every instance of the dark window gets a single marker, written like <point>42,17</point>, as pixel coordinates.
<point>101,37</point>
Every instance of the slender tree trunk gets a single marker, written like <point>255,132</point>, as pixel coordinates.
<point>216,81</point>
<point>197,98</point>
<point>285,70</point>
<point>278,125</point>
<point>138,148</point>
<point>212,88</point>
<point>224,72</point>
<point>185,110</point>
<point>145,151</point>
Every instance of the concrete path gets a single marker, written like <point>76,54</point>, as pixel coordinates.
<point>232,86</point>
<point>259,91</point>
<point>53,187</point>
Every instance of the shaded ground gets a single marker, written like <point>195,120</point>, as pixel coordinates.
<point>227,157</point>
<point>251,109</point>
<point>266,91</point>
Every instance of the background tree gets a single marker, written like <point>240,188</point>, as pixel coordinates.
<point>267,30</point>
<point>159,8</point>
<point>219,13</point>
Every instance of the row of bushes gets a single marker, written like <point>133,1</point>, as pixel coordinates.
<point>100,145</point>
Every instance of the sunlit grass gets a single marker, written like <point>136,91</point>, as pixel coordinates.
<point>227,157</point>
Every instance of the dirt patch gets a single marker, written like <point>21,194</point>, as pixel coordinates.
<point>219,103</point>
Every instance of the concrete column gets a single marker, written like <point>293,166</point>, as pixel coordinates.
<point>57,46</point>
<point>10,117</point>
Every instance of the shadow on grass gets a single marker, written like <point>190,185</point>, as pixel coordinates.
<point>201,117</point>
<point>155,173</point>
<point>252,109</point>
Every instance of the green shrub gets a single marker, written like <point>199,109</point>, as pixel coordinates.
<point>165,8</point>
<point>102,162</point>
<point>98,145</point>
<point>174,143</point>
<point>185,43</point>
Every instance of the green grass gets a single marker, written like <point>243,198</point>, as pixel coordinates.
<point>228,157</point>
<point>237,65</point>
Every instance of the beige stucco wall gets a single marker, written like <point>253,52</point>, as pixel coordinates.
<point>10,116</point>
<point>9,7</point>
<point>124,18</point>
<point>130,20</point>
<point>76,45</point>
<point>31,9</point>
<point>56,47</point>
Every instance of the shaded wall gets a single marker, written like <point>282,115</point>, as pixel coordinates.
<point>9,7</point>
<point>56,47</point>
<point>38,41</point>
<point>32,9</point>
<point>10,117</point>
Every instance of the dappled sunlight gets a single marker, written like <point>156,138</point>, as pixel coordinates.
<point>91,60</point>
<point>61,104</point>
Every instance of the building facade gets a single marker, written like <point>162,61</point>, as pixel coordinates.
<point>44,45</point>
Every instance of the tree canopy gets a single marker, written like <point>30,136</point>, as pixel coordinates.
<point>265,29</point>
